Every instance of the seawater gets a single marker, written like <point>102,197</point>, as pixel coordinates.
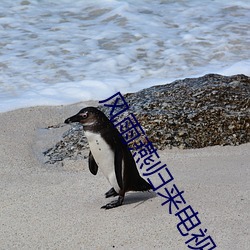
<point>61,52</point>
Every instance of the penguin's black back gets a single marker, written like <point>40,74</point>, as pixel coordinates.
<point>132,180</point>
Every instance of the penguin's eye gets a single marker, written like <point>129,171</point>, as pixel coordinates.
<point>84,115</point>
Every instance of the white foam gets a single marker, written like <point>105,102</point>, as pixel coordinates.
<point>61,52</point>
<point>242,67</point>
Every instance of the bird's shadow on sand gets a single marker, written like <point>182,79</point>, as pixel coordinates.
<point>138,198</point>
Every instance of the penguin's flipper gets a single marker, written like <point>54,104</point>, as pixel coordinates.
<point>92,164</point>
<point>113,204</point>
<point>111,193</point>
<point>118,166</point>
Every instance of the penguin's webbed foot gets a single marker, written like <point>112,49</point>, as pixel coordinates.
<point>113,204</point>
<point>111,193</point>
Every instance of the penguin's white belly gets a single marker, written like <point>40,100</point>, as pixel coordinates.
<point>104,157</point>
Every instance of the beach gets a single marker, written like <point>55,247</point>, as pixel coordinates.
<point>57,206</point>
<point>59,57</point>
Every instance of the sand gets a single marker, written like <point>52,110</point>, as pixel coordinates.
<point>58,206</point>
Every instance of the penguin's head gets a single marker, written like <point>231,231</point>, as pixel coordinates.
<point>88,117</point>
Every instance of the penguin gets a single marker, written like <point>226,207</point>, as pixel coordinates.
<point>109,153</point>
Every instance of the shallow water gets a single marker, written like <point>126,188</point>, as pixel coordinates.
<point>63,52</point>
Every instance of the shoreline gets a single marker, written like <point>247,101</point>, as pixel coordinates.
<point>58,207</point>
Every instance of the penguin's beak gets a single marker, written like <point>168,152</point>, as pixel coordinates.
<point>74,118</point>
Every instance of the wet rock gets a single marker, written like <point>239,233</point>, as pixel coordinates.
<point>190,113</point>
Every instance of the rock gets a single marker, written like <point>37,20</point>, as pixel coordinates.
<point>190,113</point>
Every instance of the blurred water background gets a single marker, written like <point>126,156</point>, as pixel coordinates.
<point>61,52</point>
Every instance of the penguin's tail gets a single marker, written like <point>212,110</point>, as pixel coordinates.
<point>141,185</point>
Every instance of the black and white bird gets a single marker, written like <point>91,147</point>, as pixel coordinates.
<point>110,154</point>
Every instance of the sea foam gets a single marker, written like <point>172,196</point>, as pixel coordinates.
<point>63,52</point>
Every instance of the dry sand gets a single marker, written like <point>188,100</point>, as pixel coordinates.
<point>58,206</point>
